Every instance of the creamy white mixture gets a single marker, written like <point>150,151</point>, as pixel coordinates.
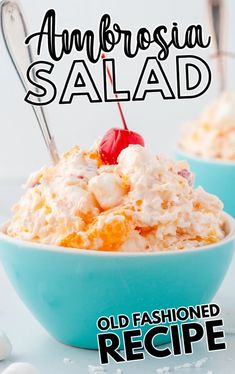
<point>213,134</point>
<point>144,203</point>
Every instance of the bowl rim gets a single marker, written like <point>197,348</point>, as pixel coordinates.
<point>205,160</point>
<point>29,245</point>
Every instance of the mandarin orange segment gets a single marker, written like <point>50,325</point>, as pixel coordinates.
<point>112,234</point>
<point>106,237</point>
<point>74,240</point>
<point>87,217</point>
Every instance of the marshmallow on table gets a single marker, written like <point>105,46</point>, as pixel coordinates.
<point>5,346</point>
<point>20,368</point>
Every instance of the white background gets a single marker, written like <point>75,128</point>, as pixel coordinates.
<point>22,150</point>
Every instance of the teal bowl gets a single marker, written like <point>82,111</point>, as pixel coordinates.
<point>216,177</point>
<point>67,290</point>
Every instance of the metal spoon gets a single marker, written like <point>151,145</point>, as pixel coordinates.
<point>14,32</point>
<point>216,18</point>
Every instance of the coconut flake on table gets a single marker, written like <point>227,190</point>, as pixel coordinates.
<point>197,364</point>
<point>119,371</point>
<point>67,361</point>
<point>201,362</point>
<point>187,365</point>
<point>20,368</point>
<point>95,369</point>
<point>5,346</point>
<point>165,369</point>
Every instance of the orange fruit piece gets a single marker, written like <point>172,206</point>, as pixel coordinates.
<point>108,235</point>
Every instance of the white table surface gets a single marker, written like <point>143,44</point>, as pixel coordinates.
<point>31,343</point>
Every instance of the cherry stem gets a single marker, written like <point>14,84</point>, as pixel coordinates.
<point>116,95</point>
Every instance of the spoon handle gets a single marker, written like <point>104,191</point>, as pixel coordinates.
<point>216,18</point>
<point>14,32</point>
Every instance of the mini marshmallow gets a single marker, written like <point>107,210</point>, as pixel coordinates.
<point>107,189</point>
<point>5,346</point>
<point>20,368</point>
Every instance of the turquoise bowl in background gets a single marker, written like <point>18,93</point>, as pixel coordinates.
<point>67,290</point>
<point>216,177</point>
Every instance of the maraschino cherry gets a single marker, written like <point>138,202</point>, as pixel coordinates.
<point>117,139</point>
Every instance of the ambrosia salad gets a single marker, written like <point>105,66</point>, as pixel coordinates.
<point>141,203</point>
<point>213,134</point>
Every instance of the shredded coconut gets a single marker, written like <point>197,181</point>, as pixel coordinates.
<point>144,203</point>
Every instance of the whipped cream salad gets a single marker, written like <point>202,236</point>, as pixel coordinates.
<point>143,203</point>
<point>213,134</point>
